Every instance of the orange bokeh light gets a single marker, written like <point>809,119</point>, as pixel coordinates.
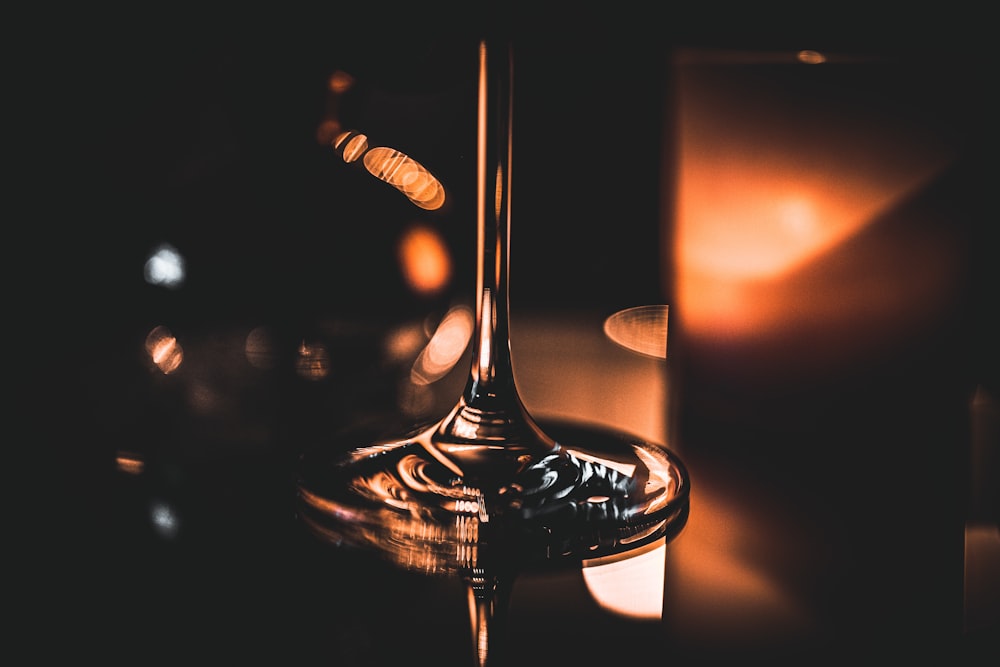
<point>340,81</point>
<point>406,175</point>
<point>424,260</point>
<point>784,182</point>
<point>164,350</point>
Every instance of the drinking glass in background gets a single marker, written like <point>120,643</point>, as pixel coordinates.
<point>825,221</point>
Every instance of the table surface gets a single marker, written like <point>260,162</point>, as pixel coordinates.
<point>172,532</point>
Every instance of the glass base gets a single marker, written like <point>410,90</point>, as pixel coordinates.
<point>599,493</point>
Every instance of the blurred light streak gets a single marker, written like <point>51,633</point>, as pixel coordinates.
<point>164,350</point>
<point>130,464</point>
<point>313,361</point>
<point>641,329</point>
<point>165,267</point>
<point>445,347</point>
<point>424,259</point>
<point>810,57</point>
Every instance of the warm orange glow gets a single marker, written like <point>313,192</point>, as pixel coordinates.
<point>772,190</point>
<point>632,587</point>
<point>391,166</point>
<point>327,131</point>
<point>313,361</point>
<point>130,464</point>
<point>405,342</point>
<point>164,350</point>
<point>340,82</point>
<point>351,145</point>
<point>424,259</point>
<point>406,175</point>
<point>811,57</point>
<point>498,201</point>
<point>484,364</point>
<point>445,347</point>
<point>481,173</point>
<point>592,379</point>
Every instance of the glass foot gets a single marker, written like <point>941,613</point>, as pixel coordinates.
<point>598,493</point>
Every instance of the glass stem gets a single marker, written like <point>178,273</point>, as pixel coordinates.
<point>490,412</point>
<point>491,384</point>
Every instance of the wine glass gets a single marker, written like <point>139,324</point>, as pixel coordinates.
<point>487,492</point>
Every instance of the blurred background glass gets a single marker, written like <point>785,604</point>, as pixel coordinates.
<point>829,340</point>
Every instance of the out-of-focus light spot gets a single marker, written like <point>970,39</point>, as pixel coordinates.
<point>393,167</point>
<point>313,362</point>
<point>445,347</point>
<point>340,82</point>
<point>327,131</point>
<point>350,145</point>
<point>631,587</point>
<point>165,267</point>
<point>130,464</point>
<point>259,348</point>
<point>810,57</point>
<point>164,519</point>
<point>642,329</point>
<point>405,342</point>
<point>406,175</point>
<point>164,350</point>
<point>769,194</point>
<point>743,234</point>
<point>424,260</point>
<point>422,189</point>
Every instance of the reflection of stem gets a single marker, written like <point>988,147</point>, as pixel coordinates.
<point>489,598</point>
